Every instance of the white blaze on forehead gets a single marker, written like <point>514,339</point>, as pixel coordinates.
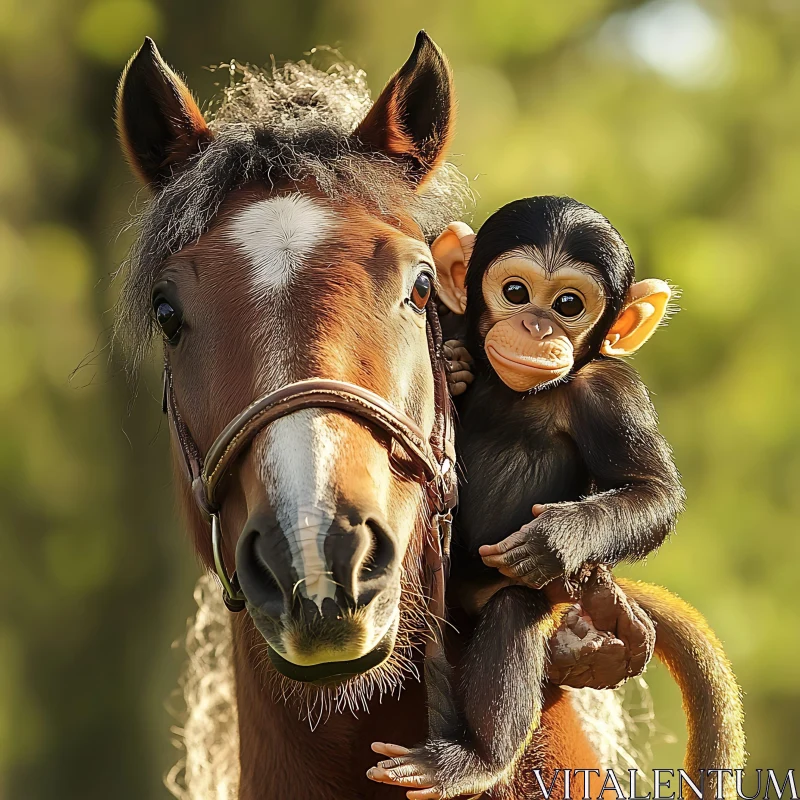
<point>299,464</point>
<point>278,235</point>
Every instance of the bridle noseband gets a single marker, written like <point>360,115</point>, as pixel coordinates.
<point>429,462</point>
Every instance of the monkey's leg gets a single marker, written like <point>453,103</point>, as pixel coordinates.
<point>502,673</point>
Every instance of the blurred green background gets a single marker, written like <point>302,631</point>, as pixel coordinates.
<point>679,120</point>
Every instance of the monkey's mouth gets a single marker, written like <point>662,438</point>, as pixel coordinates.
<point>531,364</point>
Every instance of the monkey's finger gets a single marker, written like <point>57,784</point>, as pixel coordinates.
<point>627,627</point>
<point>425,794</point>
<point>389,750</point>
<point>462,376</point>
<point>454,365</point>
<point>458,350</point>
<point>505,560</point>
<point>457,388</point>
<point>632,625</point>
<point>394,763</point>
<point>581,626</point>
<point>641,649</point>
<point>409,776</point>
<point>517,539</point>
<point>382,774</point>
<point>527,571</point>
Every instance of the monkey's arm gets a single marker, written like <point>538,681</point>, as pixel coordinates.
<point>638,491</point>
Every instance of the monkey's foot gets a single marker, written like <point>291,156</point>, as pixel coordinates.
<point>404,768</point>
<point>420,771</point>
<point>603,640</point>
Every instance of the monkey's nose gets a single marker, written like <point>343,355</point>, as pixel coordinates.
<point>538,327</point>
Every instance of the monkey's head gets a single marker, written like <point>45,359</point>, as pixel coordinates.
<point>546,286</point>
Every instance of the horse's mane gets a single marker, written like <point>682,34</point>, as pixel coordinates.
<point>284,125</point>
<point>614,721</point>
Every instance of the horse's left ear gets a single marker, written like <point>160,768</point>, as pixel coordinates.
<point>414,117</point>
<point>159,123</point>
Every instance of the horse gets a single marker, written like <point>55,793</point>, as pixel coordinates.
<point>283,257</point>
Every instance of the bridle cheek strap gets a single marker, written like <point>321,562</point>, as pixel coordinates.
<point>430,463</point>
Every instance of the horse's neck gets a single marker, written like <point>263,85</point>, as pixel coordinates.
<point>282,756</point>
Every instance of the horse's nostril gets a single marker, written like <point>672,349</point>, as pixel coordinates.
<point>270,585</point>
<point>346,563</point>
<point>259,583</point>
<point>381,552</point>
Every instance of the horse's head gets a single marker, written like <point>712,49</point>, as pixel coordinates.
<point>281,245</point>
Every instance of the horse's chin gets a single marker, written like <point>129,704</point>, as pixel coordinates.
<point>332,673</point>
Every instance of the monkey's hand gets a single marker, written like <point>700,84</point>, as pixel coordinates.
<point>526,555</point>
<point>458,365</point>
<point>418,770</point>
<point>604,639</point>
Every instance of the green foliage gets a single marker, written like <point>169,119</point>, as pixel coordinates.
<point>109,30</point>
<point>680,124</point>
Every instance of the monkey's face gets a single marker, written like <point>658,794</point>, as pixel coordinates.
<point>538,319</point>
<point>539,308</point>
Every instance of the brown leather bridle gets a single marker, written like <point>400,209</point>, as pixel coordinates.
<point>431,462</point>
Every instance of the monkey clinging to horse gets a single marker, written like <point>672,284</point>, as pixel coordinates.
<point>557,426</point>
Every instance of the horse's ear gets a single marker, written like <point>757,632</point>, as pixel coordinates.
<point>413,119</point>
<point>159,123</point>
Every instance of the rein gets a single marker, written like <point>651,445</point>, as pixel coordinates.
<point>430,462</point>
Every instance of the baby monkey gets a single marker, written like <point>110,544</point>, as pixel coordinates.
<point>554,421</point>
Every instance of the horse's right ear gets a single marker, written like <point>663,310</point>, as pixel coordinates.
<point>414,117</point>
<point>159,123</point>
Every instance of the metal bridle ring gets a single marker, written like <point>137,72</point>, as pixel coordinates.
<point>231,594</point>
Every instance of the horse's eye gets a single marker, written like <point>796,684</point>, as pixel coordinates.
<point>168,318</point>
<point>421,291</point>
<point>568,305</point>
<point>516,293</point>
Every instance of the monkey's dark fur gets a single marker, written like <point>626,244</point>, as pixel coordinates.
<point>589,444</point>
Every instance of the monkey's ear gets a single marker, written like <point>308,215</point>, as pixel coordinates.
<point>451,253</point>
<point>413,119</point>
<point>644,308</point>
<point>159,123</point>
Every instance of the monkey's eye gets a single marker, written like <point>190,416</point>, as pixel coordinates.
<point>516,293</point>
<point>421,292</point>
<point>169,319</point>
<point>568,305</point>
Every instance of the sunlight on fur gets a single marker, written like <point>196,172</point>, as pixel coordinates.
<point>620,723</point>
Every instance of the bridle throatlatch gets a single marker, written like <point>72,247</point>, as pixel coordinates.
<point>431,462</point>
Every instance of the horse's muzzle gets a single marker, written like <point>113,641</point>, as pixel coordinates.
<point>323,592</point>
<point>333,672</point>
